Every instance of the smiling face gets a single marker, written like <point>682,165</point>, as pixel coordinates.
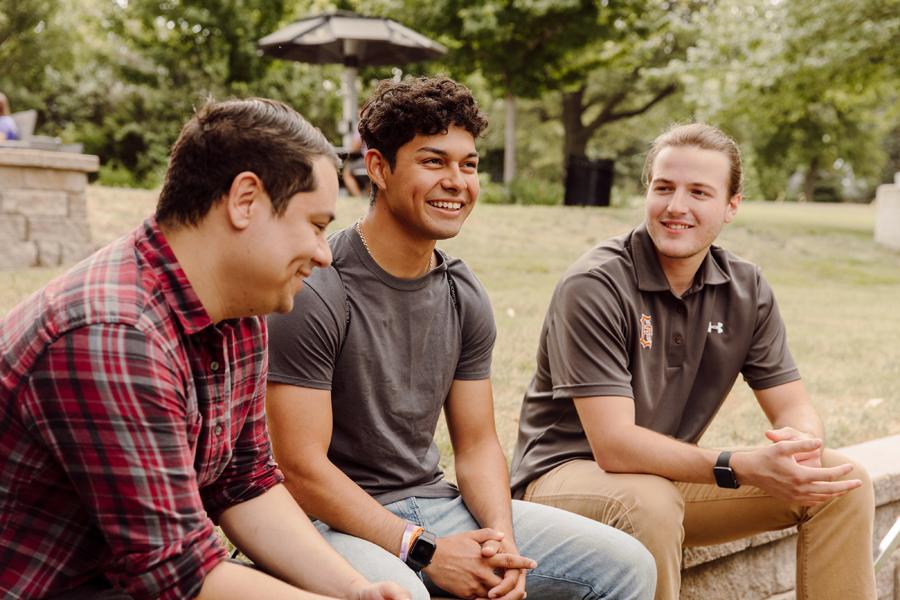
<point>433,185</point>
<point>688,203</point>
<point>282,250</point>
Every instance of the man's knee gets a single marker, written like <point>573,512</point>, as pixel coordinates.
<point>861,500</point>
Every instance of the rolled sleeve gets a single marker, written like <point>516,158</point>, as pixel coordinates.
<point>113,413</point>
<point>252,470</point>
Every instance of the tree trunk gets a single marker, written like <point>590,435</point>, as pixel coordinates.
<point>809,180</point>
<point>509,140</point>
<point>575,134</point>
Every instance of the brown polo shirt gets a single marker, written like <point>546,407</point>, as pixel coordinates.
<point>614,328</point>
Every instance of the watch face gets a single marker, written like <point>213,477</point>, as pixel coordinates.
<point>725,477</point>
<point>422,551</point>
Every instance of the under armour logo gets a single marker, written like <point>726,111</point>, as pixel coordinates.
<point>718,327</point>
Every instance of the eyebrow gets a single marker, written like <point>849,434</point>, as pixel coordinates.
<point>440,152</point>
<point>669,181</point>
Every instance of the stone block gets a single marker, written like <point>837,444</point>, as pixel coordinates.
<point>58,229</point>
<point>11,177</point>
<point>51,179</point>
<point>34,202</point>
<point>49,253</point>
<point>755,573</point>
<point>887,216</point>
<point>12,228</point>
<point>78,206</point>
<point>18,255</point>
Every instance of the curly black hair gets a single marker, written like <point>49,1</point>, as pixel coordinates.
<point>399,110</point>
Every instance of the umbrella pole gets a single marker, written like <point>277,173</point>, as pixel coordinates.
<point>351,104</point>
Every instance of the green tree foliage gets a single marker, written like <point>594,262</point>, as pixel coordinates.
<point>625,71</point>
<point>121,77</point>
<point>35,47</point>
<point>809,88</point>
<point>519,46</point>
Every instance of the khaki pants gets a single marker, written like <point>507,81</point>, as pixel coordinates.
<point>834,547</point>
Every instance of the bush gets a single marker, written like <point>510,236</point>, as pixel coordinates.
<point>494,193</point>
<point>524,190</point>
<point>536,191</point>
<point>114,174</point>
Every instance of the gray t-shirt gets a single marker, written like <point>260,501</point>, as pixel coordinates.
<point>614,328</point>
<point>392,369</point>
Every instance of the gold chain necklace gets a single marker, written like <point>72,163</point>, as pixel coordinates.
<point>366,246</point>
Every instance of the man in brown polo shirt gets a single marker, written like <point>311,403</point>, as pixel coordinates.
<point>644,337</point>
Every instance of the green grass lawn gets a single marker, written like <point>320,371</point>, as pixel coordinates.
<point>837,291</point>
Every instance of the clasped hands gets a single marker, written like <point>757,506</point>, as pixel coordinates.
<point>480,564</point>
<point>791,469</point>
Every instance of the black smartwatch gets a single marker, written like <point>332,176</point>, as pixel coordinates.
<point>723,472</point>
<point>421,552</point>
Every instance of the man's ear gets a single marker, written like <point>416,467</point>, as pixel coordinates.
<point>733,204</point>
<point>244,196</point>
<point>376,167</point>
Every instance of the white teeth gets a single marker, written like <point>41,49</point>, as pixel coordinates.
<point>677,226</point>
<point>447,205</point>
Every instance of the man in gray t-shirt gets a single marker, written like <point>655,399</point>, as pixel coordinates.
<point>644,337</point>
<point>382,342</point>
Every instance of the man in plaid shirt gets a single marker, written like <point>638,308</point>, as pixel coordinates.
<point>132,387</point>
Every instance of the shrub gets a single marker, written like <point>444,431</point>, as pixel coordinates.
<point>526,190</point>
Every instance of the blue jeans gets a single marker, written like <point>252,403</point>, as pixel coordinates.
<point>578,558</point>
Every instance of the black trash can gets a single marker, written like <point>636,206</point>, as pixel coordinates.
<point>588,182</point>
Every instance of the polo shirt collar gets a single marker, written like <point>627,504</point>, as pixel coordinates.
<point>649,273</point>
<point>650,276</point>
<point>177,290</point>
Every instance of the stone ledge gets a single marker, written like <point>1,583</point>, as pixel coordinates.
<point>45,159</point>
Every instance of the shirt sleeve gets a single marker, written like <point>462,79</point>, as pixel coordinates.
<point>769,361</point>
<point>304,344</point>
<point>479,331</point>
<point>252,470</point>
<point>586,339</point>
<point>110,408</point>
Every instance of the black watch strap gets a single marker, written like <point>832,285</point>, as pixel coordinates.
<point>422,551</point>
<point>724,474</point>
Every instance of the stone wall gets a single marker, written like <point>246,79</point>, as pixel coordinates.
<point>887,214</point>
<point>43,209</point>
<point>762,567</point>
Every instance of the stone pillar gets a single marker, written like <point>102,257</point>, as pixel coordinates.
<point>887,214</point>
<point>43,208</point>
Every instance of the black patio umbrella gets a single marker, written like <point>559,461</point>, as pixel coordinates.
<point>351,40</point>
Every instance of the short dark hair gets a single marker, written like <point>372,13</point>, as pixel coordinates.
<point>223,139</point>
<point>705,137</point>
<point>399,110</point>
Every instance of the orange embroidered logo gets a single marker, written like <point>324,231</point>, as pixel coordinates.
<point>646,331</point>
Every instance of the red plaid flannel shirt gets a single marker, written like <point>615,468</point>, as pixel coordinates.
<point>126,416</point>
